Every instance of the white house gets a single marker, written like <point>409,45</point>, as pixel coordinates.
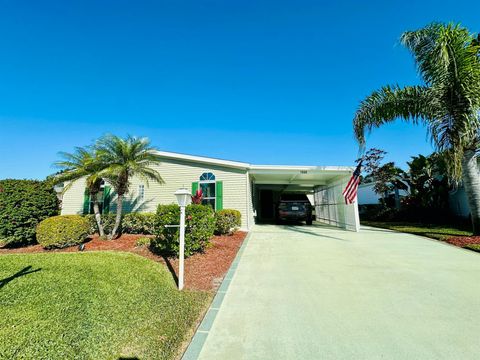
<point>251,189</point>
<point>367,196</point>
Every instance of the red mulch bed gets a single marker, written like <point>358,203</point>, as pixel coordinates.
<point>462,241</point>
<point>203,271</point>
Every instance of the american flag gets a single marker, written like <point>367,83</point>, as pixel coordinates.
<point>350,192</point>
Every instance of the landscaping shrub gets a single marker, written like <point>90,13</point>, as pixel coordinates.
<point>23,204</point>
<point>227,221</point>
<point>132,223</point>
<point>138,223</point>
<point>200,226</point>
<point>108,220</point>
<point>377,212</point>
<point>62,231</point>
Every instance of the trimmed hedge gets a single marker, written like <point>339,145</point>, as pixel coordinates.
<point>139,223</point>
<point>108,220</point>
<point>200,227</point>
<point>62,231</point>
<point>227,221</point>
<point>132,223</point>
<point>23,204</point>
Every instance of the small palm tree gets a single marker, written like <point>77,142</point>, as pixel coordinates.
<point>448,101</point>
<point>125,158</point>
<point>83,163</point>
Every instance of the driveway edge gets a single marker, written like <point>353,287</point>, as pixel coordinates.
<point>201,334</point>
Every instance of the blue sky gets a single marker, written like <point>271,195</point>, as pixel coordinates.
<point>274,82</point>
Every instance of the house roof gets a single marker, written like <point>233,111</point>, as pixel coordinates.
<point>203,159</point>
<point>254,168</point>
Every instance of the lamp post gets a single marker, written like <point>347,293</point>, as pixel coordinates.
<point>182,196</point>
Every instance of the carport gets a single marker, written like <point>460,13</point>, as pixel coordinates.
<point>323,186</point>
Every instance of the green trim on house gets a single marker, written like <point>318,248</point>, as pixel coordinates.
<point>106,199</point>
<point>219,195</point>
<point>86,202</point>
<point>194,187</point>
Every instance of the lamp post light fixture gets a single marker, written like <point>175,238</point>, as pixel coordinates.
<point>182,196</point>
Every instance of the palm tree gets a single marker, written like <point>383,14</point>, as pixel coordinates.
<point>83,163</point>
<point>447,103</point>
<point>125,158</point>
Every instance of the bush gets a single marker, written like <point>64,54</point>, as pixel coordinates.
<point>200,226</point>
<point>108,220</point>
<point>23,204</point>
<point>139,223</point>
<point>62,231</point>
<point>132,223</point>
<point>377,212</point>
<point>227,221</point>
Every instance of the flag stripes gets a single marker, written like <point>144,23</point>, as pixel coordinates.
<point>350,192</point>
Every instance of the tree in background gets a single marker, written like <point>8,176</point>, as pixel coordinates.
<point>428,182</point>
<point>122,159</point>
<point>386,178</point>
<point>448,102</point>
<point>83,163</point>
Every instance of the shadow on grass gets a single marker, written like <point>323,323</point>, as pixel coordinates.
<point>23,272</point>
<point>170,268</point>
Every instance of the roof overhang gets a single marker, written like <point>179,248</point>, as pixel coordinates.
<point>204,160</point>
<point>294,175</point>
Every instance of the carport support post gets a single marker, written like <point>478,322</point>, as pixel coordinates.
<point>356,216</point>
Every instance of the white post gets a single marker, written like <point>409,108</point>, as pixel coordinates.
<point>182,248</point>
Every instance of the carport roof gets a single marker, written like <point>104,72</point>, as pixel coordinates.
<point>298,176</point>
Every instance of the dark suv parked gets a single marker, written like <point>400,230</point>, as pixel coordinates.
<point>294,210</point>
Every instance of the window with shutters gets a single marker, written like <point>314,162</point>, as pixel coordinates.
<point>207,186</point>
<point>99,199</point>
<point>103,199</point>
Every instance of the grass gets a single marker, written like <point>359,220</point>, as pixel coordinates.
<point>474,247</point>
<point>439,232</point>
<point>95,305</point>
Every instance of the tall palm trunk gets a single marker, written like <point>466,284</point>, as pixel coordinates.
<point>118,217</point>
<point>471,182</point>
<point>98,217</point>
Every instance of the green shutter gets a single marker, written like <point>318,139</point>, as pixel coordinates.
<point>219,195</point>
<point>86,202</point>
<point>106,199</point>
<point>194,187</point>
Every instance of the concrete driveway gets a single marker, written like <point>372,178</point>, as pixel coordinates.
<point>300,292</point>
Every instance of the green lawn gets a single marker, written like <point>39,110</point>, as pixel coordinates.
<point>474,247</point>
<point>438,232</point>
<point>95,305</point>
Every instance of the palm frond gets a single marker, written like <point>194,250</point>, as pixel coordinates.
<point>127,157</point>
<point>412,103</point>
